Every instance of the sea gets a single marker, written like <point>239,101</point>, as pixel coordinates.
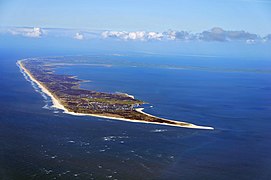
<point>233,95</point>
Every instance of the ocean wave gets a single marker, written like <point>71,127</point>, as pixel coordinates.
<point>47,100</point>
<point>114,138</point>
<point>158,130</point>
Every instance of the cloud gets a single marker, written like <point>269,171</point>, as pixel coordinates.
<point>267,38</point>
<point>114,34</point>
<point>154,36</point>
<point>250,41</point>
<point>218,34</point>
<point>215,34</point>
<point>136,35</point>
<point>79,36</point>
<point>179,35</point>
<point>35,32</point>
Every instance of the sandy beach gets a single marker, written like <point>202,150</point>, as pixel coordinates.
<point>58,105</point>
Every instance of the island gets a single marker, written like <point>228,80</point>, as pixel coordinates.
<point>67,95</point>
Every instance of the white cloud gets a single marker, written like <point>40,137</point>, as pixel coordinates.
<point>214,34</point>
<point>171,35</point>
<point>154,36</point>
<point>250,41</point>
<point>123,35</point>
<point>35,32</point>
<point>115,34</point>
<point>136,35</point>
<point>79,36</point>
<point>147,36</point>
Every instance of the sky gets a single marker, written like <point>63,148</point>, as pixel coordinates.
<point>190,27</point>
<point>139,15</point>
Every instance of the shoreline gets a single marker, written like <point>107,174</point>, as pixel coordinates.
<point>58,105</point>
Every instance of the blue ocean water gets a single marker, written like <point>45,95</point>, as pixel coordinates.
<point>232,95</point>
